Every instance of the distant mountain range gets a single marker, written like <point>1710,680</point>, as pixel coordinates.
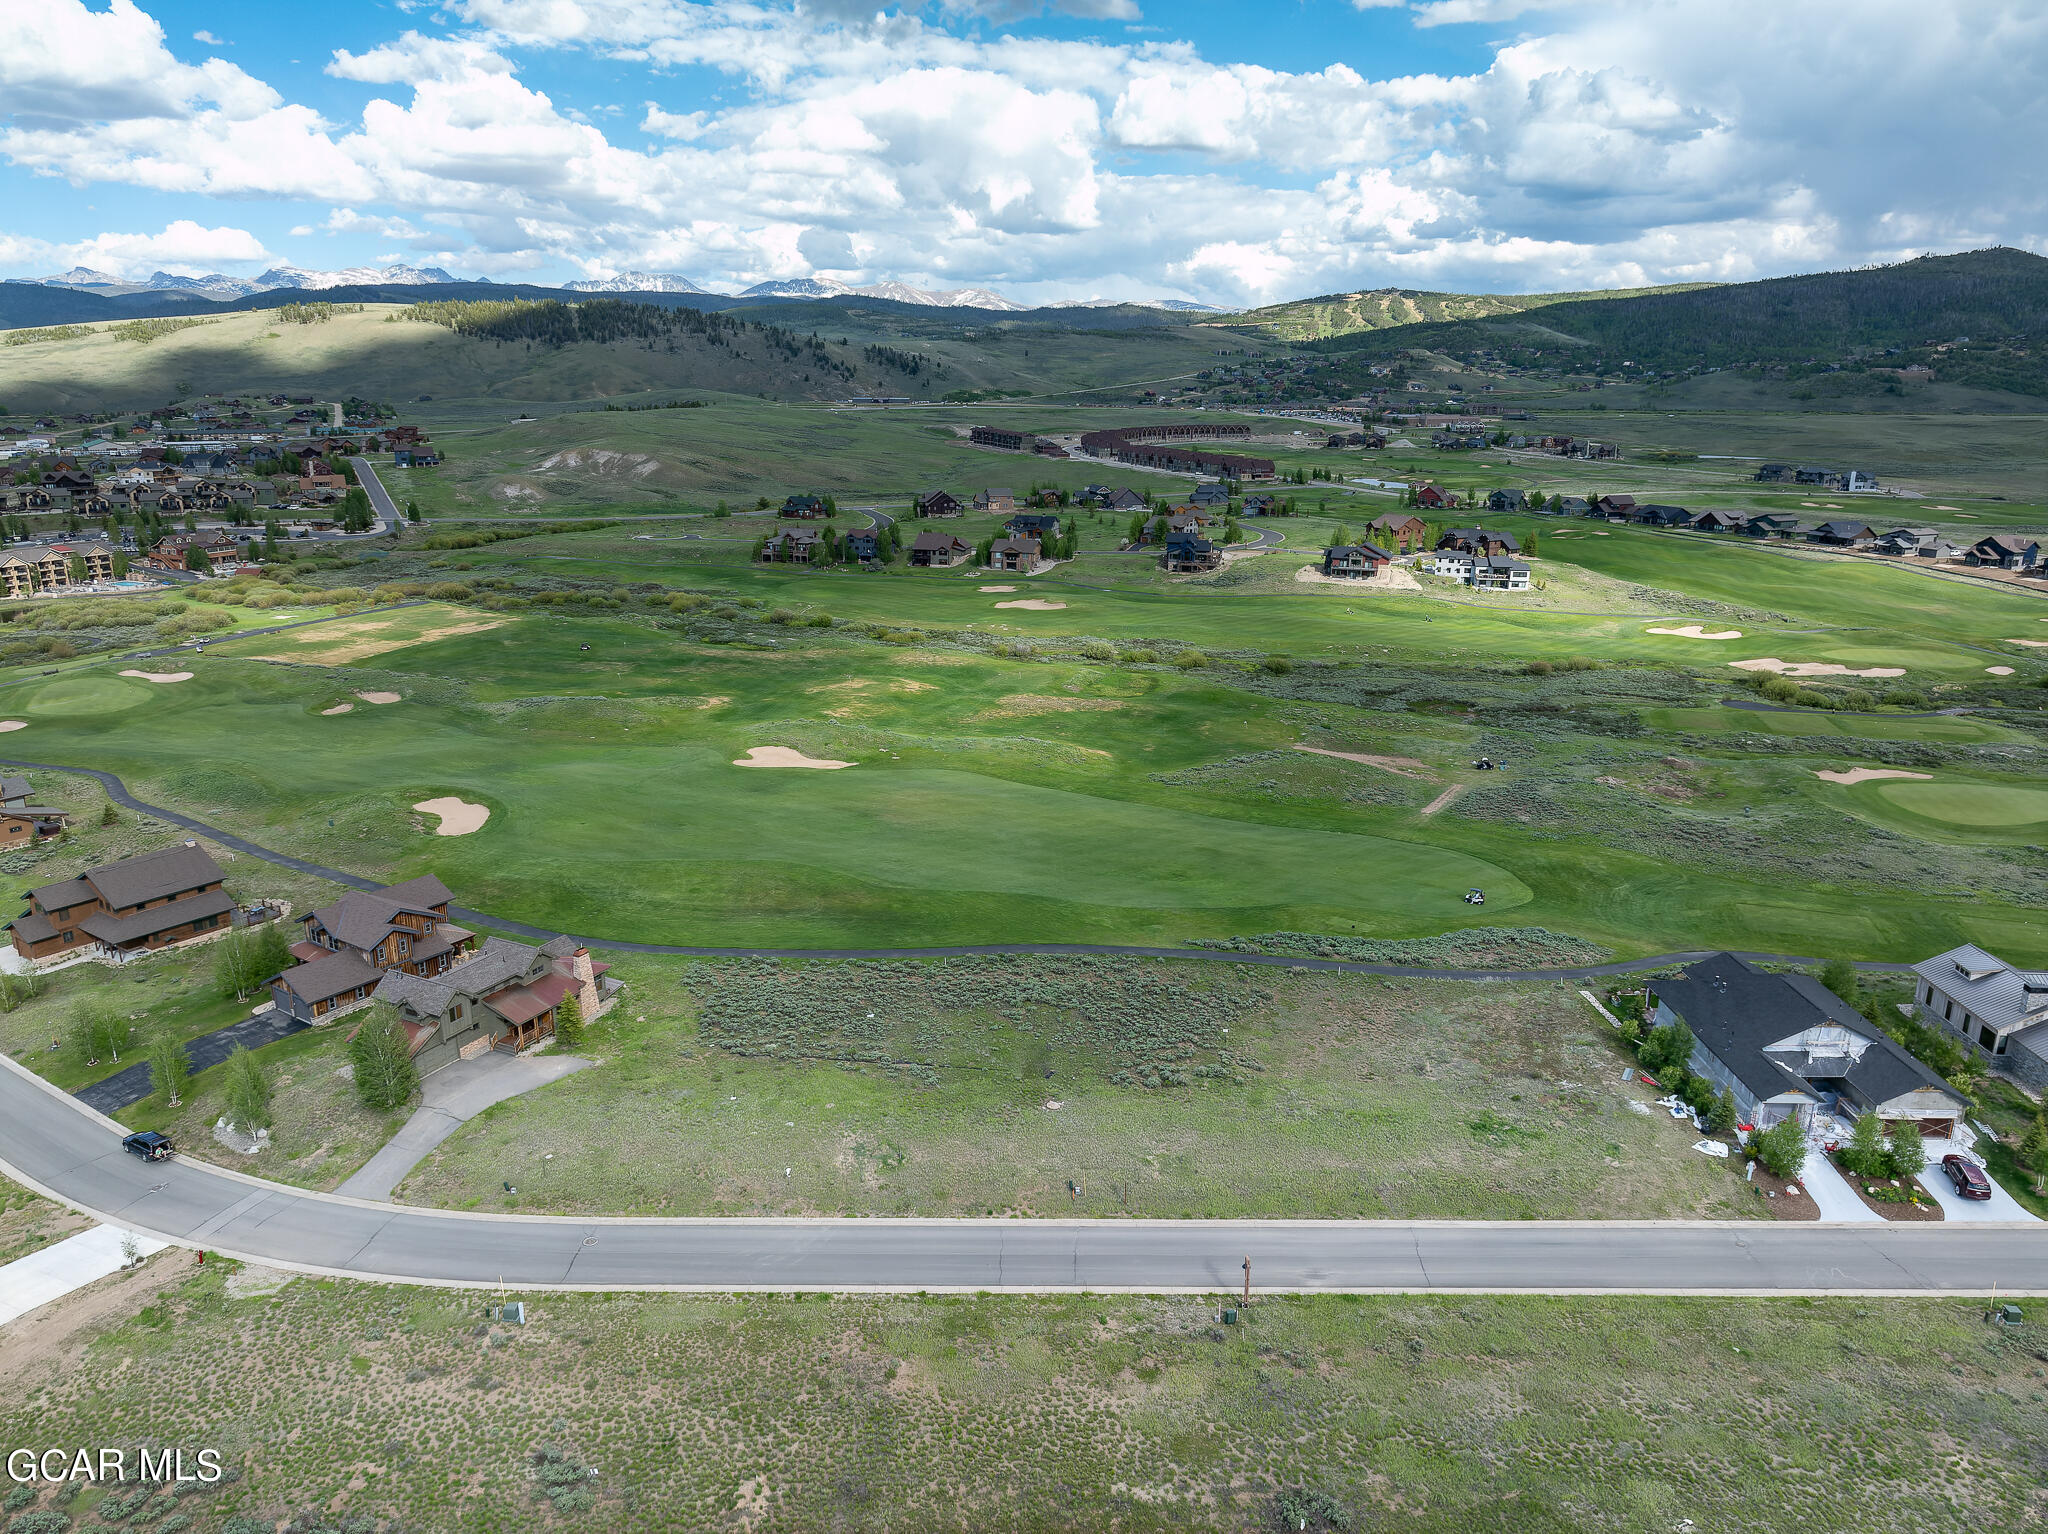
<point>215,285</point>
<point>221,288</point>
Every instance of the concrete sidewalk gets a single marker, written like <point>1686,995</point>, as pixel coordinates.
<point>450,1097</point>
<point>71,1264</point>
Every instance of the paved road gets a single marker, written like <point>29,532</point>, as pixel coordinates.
<point>117,1091</point>
<point>118,792</point>
<point>380,498</point>
<point>57,1146</point>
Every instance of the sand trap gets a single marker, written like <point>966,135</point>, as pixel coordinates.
<point>458,816</point>
<point>13,724</point>
<point>1999,670</point>
<point>2032,644</point>
<point>378,697</point>
<point>340,708</point>
<point>160,676</point>
<point>1406,766</point>
<point>1948,508</point>
<point>1813,668</point>
<point>999,588</point>
<point>1864,774</point>
<point>1598,534</point>
<point>1694,631</point>
<point>1036,605</point>
<point>782,756</point>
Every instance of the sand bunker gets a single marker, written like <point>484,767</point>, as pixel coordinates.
<point>13,724</point>
<point>1813,668</point>
<point>782,756</point>
<point>1694,631</point>
<point>1036,605</point>
<point>1948,508</point>
<point>458,816</point>
<point>2032,644</point>
<point>1864,774</point>
<point>999,588</point>
<point>1406,766</point>
<point>160,676</point>
<point>340,708</point>
<point>1999,670</point>
<point>378,697</point>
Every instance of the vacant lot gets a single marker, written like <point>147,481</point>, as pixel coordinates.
<point>702,1412</point>
<point>980,1086</point>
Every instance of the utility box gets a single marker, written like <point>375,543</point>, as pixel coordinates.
<point>513,1313</point>
<point>1230,1315</point>
<point>2007,1315</point>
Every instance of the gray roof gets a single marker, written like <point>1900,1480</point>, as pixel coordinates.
<point>932,538</point>
<point>361,918</point>
<point>1997,994</point>
<point>14,788</point>
<point>325,978</point>
<point>126,929</point>
<point>32,928</point>
<point>497,964</point>
<point>1737,1011</point>
<point>64,893</point>
<point>153,875</point>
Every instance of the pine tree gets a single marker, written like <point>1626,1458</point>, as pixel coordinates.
<point>248,1092</point>
<point>569,1022</point>
<point>169,1067</point>
<point>2034,1147</point>
<point>1865,1153</point>
<point>381,1053</point>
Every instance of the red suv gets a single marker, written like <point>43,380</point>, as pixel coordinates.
<point>1968,1177</point>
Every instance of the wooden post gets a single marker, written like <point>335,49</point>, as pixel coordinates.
<point>1247,1281</point>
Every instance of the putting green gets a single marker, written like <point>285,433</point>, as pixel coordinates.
<point>83,696</point>
<point>1989,806</point>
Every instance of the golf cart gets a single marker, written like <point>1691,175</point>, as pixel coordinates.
<point>1475,897</point>
<point>149,1145</point>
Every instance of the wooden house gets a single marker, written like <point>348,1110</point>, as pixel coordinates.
<point>136,905</point>
<point>347,947</point>
<point>2004,551</point>
<point>937,503</point>
<point>808,507</point>
<point>1401,529</point>
<point>797,546</point>
<point>506,997</point>
<point>932,547</point>
<point>1356,561</point>
<point>1189,552</point>
<point>1014,554</point>
<point>997,500</point>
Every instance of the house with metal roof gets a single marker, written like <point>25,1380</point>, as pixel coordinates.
<point>1997,1009</point>
<point>1787,1046</point>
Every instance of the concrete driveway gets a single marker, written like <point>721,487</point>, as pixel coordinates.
<point>2000,1206</point>
<point>1831,1193</point>
<point>449,1098</point>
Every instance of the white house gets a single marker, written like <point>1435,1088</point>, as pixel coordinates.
<point>1448,562</point>
<point>1997,1010</point>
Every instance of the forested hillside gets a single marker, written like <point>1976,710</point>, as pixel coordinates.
<point>1976,318</point>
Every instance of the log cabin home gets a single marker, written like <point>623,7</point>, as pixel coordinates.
<point>120,910</point>
<point>938,549</point>
<point>22,824</point>
<point>504,997</point>
<point>346,948</point>
<point>937,503</point>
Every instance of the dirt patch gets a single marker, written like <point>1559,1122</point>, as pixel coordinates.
<point>1443,799</point>
<point>58,1333</point>
<point>1405,766</point>
<point>1865,774</point>
<point>340,708</point>
<point>1036,605</point>
<point>782,756</point>
<point>1786,1205</point>
<point>12,724</point>
<point>1019,704</point>
<point>378,697</point>
<point>1390,578</point>
<point>252,1281</point>
<point>1695,631</point>
<point>160,676</point>
<point>1813,668</point>
<point>458,816</point>
<point>362,638</point>
<point>863,683</point>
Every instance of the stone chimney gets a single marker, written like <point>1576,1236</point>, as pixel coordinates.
<point>585,976</point>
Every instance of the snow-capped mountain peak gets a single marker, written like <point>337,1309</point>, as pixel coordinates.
<point>349,276</point>
<point>637,282</point>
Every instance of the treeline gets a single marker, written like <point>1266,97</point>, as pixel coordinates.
<point>1827,316</point>
<point>316,313</point>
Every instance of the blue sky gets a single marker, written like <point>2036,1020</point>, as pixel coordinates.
<point>1232,153</point>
